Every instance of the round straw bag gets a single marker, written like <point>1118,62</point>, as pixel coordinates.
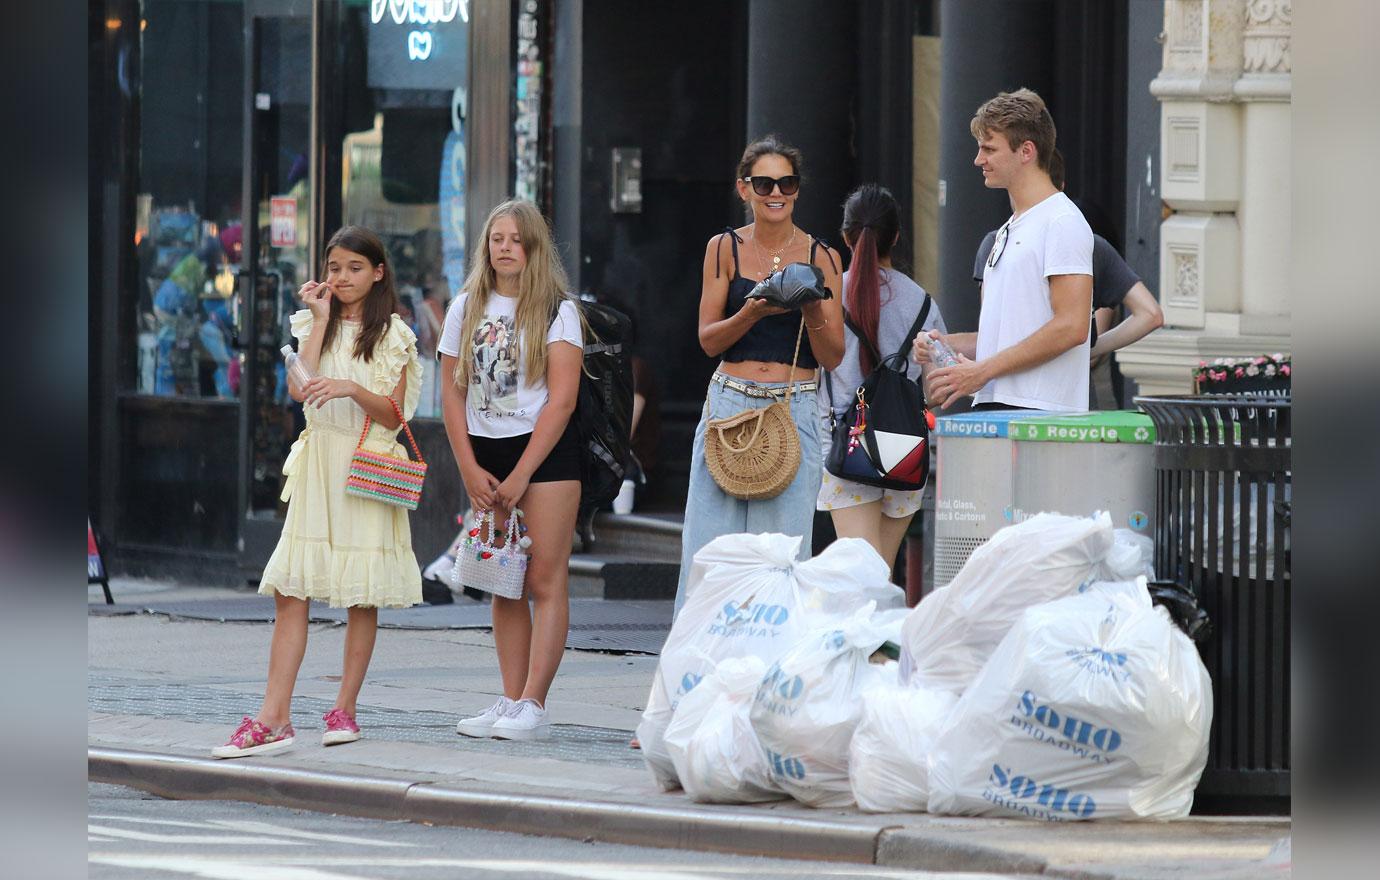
<point>754,455</point>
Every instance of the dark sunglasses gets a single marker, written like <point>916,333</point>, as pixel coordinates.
<point>999,245</point>
<point>763,185</point>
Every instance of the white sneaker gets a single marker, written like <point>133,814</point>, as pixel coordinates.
<point>623,501</point>
<point>480,725</point>
<point>525,720</point>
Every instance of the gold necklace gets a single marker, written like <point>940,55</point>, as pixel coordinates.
<point>776,255</point>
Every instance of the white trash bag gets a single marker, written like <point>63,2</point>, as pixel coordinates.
<point>888,760</point>
<point>711,742</point>
<point>1132,555</point>
<point>748,596</point>
<point>1094,707</point>
<point>949,636</point>
<point>808,706</point>
<point>847,575</point>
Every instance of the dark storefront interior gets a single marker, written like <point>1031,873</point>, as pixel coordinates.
<point>206,117</point>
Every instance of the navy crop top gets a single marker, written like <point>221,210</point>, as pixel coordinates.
<point>772,339</point>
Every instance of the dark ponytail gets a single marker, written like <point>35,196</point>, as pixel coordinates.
<point>871,221</point>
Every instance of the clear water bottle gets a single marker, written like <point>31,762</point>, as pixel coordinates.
<point>298,372</point>
<point>941,355</point>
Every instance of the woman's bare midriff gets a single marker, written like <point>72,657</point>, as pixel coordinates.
<point>764,371</point>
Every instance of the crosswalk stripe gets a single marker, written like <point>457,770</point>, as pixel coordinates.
<point>218,869</point>
<point>576,871</point>
<point>189,839</point>
<point>256,828</point>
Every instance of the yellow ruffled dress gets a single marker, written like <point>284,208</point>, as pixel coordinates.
<point>339,548</point>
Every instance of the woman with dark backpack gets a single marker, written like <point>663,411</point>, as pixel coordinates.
<point>882,305</point>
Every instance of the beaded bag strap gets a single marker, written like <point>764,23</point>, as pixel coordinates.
<point>412,441</point>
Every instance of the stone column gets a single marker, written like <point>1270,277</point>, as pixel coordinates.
<point>1224,175</point>
<point>1264,91</point>
<point>801,74</point>
<point>980,58</point>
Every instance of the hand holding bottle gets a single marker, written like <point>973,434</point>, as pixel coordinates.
<point>940,352</point>
<point>930,347</point>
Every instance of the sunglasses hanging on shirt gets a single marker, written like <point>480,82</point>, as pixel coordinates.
<point>763,185</point>
<point>998,245</point>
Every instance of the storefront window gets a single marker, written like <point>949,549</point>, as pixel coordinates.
<point>403,154</point>
<point>527,164</point>
<point>188,224</point>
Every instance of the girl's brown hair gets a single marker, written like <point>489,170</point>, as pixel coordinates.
<point>380,303</point>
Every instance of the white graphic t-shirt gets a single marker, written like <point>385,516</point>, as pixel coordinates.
<point>501,401</point>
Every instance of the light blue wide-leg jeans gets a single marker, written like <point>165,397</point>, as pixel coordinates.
<point>710,512</point>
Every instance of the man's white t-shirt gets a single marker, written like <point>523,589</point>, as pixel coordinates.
<point>1050,238</point>
<point>501,401</point>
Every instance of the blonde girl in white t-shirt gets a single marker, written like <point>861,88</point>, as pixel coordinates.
<point>515,376</point>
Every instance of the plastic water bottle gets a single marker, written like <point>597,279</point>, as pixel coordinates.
<point>941,355</point>
<point>298,372</point>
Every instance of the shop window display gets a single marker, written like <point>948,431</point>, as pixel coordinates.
<point>188,234</point>
<point>403,150</point>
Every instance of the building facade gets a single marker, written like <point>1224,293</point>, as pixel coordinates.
<point>1224,93</point>
<point>237,134</point>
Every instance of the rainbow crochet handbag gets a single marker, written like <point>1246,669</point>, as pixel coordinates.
<point>494,566</point>
<point>384,478</point>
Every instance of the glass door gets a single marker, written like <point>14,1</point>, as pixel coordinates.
<point>278,255</point>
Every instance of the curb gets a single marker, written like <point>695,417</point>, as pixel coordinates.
<point>184,778</point>
<point>689,828</point>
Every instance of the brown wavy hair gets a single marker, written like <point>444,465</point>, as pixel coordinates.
<point>380,303</point>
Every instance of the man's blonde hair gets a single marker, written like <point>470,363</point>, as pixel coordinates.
<point>1020,116</point>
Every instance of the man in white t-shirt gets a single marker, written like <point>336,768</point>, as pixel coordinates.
<point>1031,348</point>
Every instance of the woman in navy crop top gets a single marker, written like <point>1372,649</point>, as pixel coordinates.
<point>755,343</point>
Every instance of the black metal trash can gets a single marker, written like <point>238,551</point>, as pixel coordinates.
<point>1222,510</point>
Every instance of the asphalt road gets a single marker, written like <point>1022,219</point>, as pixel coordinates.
<point>132,835</point>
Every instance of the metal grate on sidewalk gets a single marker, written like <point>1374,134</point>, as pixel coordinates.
<point>178,702</point>
<point>627,626</point>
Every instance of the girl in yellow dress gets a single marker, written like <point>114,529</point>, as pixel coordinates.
<point>348,551</point>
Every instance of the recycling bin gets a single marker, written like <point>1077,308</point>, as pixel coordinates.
<point>973,484</point>
<point>1080,464</point>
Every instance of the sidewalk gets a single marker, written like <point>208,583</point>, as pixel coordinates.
<point>162,692</point>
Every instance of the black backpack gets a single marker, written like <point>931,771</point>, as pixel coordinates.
<point>603,410</point>
<point>892,449</point>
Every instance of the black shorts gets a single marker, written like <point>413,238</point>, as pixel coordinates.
<point>499,455</point>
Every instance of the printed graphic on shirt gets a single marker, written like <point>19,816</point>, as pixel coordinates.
<point>494,369</point>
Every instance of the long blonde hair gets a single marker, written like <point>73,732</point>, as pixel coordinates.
<point>542,287</point>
